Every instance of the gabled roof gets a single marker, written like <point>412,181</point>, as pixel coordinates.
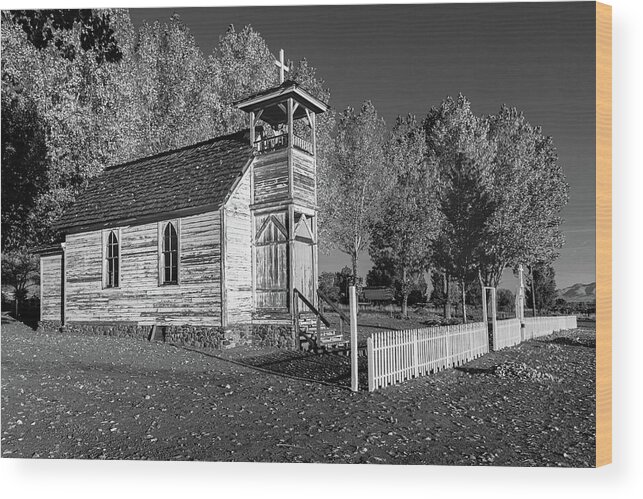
<point>191,179</point>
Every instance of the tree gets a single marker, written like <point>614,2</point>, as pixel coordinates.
<point>343,279</point>
<point>541,287</point>
<point>355,182</point>
<point>382,273</point>
<point>439,296</point>
<point>46,28</point>
<point>19,270</point>
<point>452,131</point>
<point>71,119</point>
<point>328,285</point>
<point>407,227</point>
<point>24,167</point>
<point>529,189</point>
<point>241,65</point>
<point>466,207</point>
<point>68,112</point>
<point>506,300</point>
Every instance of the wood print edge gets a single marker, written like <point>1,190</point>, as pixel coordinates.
<point>603,234</point>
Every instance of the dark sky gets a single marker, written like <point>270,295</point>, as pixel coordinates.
<point>538,57</point>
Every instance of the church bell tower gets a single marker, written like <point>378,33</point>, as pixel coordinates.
<point>283,198</point>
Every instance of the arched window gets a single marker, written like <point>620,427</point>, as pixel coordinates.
<point>112,261</point>
<point>170,264</point>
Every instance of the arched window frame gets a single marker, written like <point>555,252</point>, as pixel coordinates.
<point>112,280</point>
<point>162,226</point>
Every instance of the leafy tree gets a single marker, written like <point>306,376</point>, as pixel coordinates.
<point>541,287</point>
<point>407,227</point>
<point>355,182</point>
<point>69,111</point>
<point>529,190</point>
<point>174,96</point>
<point>466,207</point>
<point>241,65</point>
<point>343,279</point>
<point>19,270</point>
<point>328,285</point>
<point>24,166</point>
<point>452,130</point>
<point>382,273</point>
<point>506,300</point>
<point>66,118</point>
<point>442,294</point>
<point>519,169</point>
<point>45,28</point>
<point>454,133</point>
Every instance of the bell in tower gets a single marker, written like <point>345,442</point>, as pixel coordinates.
<point>283,198</point>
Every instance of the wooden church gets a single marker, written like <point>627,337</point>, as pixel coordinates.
<point>214,244</point>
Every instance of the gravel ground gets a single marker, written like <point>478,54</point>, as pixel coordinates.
<point>66,396</point>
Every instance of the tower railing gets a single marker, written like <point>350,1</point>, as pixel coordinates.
<point>269,144</point>
<point>302,144</point>
<point>276,142</point>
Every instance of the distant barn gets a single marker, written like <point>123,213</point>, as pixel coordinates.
<point>213,244</point>
<point>379,295</point>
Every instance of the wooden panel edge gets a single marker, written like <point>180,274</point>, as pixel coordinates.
<point>603,234</point>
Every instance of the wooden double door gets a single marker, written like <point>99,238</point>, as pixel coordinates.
<point>276,252</point>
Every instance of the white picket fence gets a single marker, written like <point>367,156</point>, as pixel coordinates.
<point>507,334</point>
<point>542,326</point>
<point>396,356</point>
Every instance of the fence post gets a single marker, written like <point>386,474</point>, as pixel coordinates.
<point>371,364</point>
<point>448,336</point>
<point>353,317</point>
<point>416,362</point>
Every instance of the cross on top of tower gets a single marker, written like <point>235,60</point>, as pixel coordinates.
<point>282,65</point>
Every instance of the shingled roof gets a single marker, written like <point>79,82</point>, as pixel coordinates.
<point>195,177</point>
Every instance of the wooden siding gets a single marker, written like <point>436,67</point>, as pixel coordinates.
<point>303,177</point>
<point>271,177</point>
<point>238,255</point>
<point>196,300</point>
<point>50,287</point>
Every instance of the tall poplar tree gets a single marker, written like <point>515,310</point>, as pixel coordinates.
<point>355,182</point>
<point>408,225</point>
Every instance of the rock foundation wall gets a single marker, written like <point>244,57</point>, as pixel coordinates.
<point>274,335</point>
<point>215,337</point>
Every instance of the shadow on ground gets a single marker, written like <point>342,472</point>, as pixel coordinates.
<point>475,370</point>
<point>327,368</point>
<point>573,342</point>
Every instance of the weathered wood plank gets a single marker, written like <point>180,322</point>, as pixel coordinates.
<point>51,290</point>
<point>140,298</point>
<point>238,254</point>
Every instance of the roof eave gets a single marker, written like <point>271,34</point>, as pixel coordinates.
<point>254,101</point>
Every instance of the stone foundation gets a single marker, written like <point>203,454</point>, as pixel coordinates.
<point>266,335</point>
<point>48,326</point>
<point>117,329</point>
<point>274,335</point>
<point>195,336</point>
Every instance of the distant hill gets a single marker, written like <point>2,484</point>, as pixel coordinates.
<point>578,292</point>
